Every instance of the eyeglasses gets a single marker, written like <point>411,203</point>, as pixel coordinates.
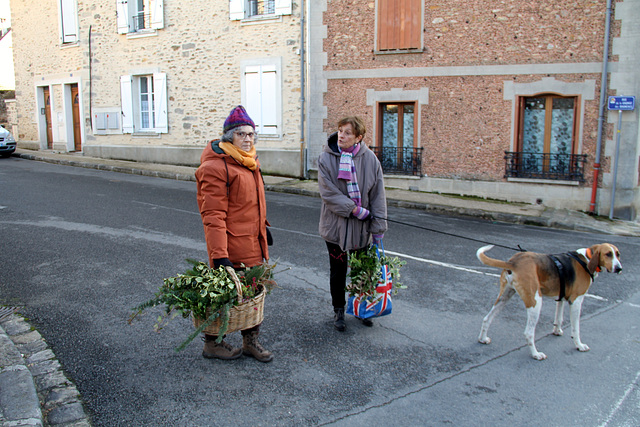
<point>243,135</point>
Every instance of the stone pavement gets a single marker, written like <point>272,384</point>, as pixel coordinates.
<point>33,388</point>
<point>519,213</point>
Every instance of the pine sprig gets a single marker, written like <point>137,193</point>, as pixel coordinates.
<point>365,270</point>
<point>201,288</point>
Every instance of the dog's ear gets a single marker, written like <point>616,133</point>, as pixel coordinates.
<point>594,262</point>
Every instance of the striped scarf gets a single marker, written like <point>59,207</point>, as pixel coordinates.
<point>347,171</point>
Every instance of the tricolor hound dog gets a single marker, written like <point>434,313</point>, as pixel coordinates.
<point>565,276</point>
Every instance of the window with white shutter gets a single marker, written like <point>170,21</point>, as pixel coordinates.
<point>68,21</point>
<point>144,103</point>
<point>139,15</point>
<point>243,9</point>
<point>261,95</point>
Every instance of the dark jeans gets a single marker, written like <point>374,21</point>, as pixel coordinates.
<point>338,266</point>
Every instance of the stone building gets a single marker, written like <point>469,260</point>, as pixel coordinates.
<point>153,80</point>
<point>492,99</point>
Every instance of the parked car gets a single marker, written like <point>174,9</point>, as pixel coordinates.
<point>7,143</point>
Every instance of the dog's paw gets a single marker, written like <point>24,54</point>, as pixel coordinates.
<point>484,340</point>
<point>582,347</point>
<point>557,330</point>
<point>539,356</point>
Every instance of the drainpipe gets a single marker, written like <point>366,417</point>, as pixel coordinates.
<point>303,145</point>
<point>603,102</point>
<point>90,82</point>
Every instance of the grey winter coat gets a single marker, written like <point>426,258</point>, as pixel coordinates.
<point>337,225</point>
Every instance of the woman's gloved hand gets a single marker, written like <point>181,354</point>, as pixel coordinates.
<point>222,261</point>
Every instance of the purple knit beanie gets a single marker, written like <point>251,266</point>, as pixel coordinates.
<point>238,117</point>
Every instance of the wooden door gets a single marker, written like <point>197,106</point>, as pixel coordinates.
<point>47,115</point>
<point>75,105</point>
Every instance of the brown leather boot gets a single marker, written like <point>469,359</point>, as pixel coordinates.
<point>251,347</point>
<point>221,350</point>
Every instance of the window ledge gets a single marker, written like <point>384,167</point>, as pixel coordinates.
<point>397,51</point>
<point>544,181</point>
<point>69,45</point>
<point>400,176</point>
<point>261,19</point>
<point>270,136</point>
<point>142,33</point>
<point>139,134</point>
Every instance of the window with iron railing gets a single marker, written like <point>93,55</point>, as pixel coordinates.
<point>141,21</point>
<point>400,161</point>
<point>556,166</point>
<point>261,7</point>
<point>546,139</point>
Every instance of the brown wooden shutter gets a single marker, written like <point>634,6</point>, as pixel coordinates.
<point>399,24</point>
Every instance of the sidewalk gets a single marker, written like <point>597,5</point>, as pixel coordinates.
<point>518,213</point>
<point>32,384</point>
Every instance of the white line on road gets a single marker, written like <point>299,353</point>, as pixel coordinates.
<point>166,207</point>
<point>442,264</point>
<point>619,403</point>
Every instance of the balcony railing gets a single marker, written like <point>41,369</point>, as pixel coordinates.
<point>566,167</point>
<point>261,7</point>
<point>141,21</point>
<point>401,161</point>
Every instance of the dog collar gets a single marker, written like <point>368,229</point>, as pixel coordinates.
<point>589,255</point>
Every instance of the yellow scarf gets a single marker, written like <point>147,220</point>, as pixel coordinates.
<point>245,158</point>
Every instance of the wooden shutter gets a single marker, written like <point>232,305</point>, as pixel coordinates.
<point>68,21</point>
<point>122,16</point>
<point>399,24</point>
<point>236,9</point>
<point>269,119</point>
<point>261,98</point>
<point>157,14</point>
<point>282,7</point>
<point>126,94</point>
<point>160,97</point>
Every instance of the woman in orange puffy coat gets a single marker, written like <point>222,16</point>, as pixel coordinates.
<point>232,204</point>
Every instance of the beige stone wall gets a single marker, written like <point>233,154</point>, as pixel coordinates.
<point>199,49</point>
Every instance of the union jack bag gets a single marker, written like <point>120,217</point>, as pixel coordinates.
<point>365,306</point>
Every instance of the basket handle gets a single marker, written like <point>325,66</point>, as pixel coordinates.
<point>235,279</point>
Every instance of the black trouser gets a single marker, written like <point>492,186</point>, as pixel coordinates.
<point>338,265</point>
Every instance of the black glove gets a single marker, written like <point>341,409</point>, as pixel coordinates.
<point>222,261</point>
<point>269,238</point>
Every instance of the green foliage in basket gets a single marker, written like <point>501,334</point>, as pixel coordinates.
<point>202,287</point>
<point>365,270</point>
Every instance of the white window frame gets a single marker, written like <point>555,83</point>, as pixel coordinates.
<point>261,92</point>
<point>127,10</point>
<point>131,105</point>
<point>239,9</point>
<point>68,14</point>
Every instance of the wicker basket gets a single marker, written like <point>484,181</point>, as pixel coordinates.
<point>242,316</point>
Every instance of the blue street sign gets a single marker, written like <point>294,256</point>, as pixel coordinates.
<point>627,103</point>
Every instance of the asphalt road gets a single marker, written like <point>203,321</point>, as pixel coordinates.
<point>81,247</point>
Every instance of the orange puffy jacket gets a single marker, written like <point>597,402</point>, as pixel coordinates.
<point>232,204</point>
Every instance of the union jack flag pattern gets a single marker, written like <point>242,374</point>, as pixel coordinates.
<point>377,305</point>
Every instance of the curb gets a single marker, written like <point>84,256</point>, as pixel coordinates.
<point>34,391</point>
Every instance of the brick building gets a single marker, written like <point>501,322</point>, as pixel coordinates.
<point>477,97</point>
<point>153,80</point>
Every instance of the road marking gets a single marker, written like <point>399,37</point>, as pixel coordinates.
<point>619,403</point>
<point>166,207</point>
<point>117,233</point>
<point>441,264</point>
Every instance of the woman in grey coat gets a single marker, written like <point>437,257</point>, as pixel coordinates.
<point>354,205</point>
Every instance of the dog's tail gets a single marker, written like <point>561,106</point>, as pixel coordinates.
<point>490,261</point>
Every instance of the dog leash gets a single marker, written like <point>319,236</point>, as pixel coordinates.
<point>519,249</point>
